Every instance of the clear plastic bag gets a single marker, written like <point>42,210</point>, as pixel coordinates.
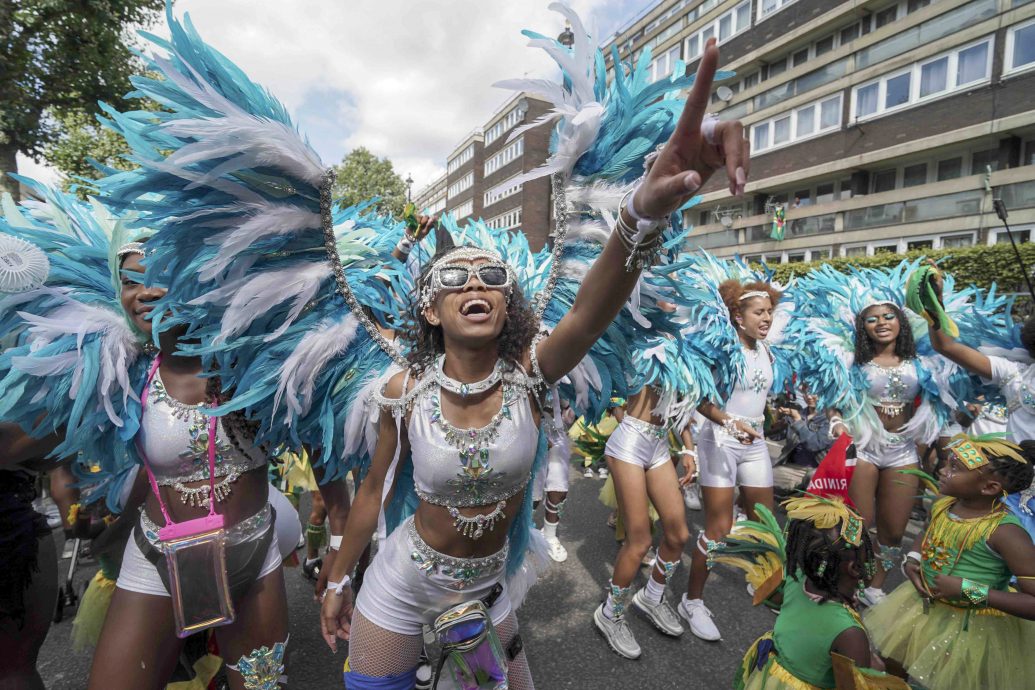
<point>198,581</point>
<point>472,655</point>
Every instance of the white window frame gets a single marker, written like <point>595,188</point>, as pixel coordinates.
<point>463,210</point>
<point>501,191</point>
<point>940,243</point>
<point>464,156</point>
<point>994,233</point>
<point>914,83</point>
<point>507,220</point>
<point>509,121</point>
<point>1011,39</point>
<point>463,184</point>
<point>713,25</point>
<point>669,59</point>
<point>818,129</point>
<point>780,5</point>
<point>508,154</point>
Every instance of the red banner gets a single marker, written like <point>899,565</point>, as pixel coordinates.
<point>834,474</point>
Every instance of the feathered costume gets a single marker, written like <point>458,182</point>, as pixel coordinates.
<point>77,367</point>
<point>796,654</point>
<point>824,330</point>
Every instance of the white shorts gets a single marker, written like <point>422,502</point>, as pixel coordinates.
<point>407,585</point>
<point>139,575</point>
<point>639,443</point>
<point>725,462</point>
<point>554,477</point>
<point>897,454</point>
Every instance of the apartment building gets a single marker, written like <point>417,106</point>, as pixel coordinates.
<point>875,125</point>
<point>478,168</point>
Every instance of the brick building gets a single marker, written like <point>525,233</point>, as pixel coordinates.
<point>478,168</point>
<point>877,125</point>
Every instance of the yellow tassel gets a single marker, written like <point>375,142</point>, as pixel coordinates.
<point>958,534</point>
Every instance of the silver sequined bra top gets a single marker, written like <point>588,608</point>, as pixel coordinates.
<point>174,439</point>
<point>460,468</point>
<point>893,388</point>
<point>750,390</point>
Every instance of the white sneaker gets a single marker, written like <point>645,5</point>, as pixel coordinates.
<point>588,473</point>
<point>617,633</point>
<point>692,497</point>
<point>871,596</point>
<point>602,473</point>
<point>556,549</point>
<point>649,558</point>
<point>700,619</point>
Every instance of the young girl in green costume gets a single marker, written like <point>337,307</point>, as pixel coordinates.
<point>819,640</point>
<point>956,623</point>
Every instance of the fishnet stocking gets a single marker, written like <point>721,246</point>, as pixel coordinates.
<point>519,677</point>
<point>374,651</point>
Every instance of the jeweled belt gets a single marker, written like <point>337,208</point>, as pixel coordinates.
<point>234,534</point>
<point>463,570</point>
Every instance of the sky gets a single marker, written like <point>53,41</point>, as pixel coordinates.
<point>407,79</point>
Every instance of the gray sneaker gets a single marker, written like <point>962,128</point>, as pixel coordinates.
<point>617,633</point>
<point>660,614</point>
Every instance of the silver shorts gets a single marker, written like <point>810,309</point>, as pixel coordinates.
<point>725,462</point>
<point>899,453</point>
<point>639,443</point>
<point>409,584</point>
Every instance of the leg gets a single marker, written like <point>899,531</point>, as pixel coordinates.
<point>261,621</point>
<point>863,492</point>
<point>64,495</point>
<point>519,676</point>
<point>378,653</point>
<point>138,648</point>
<point>22,645</point>
<point>631,492</point>
<point>752,495</point>
<point>663,491</point>
<point>718,520</point>
<point>315,531</point>
<point>895,495</point>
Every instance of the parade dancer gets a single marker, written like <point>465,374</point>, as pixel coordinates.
<point>551,486</point>
<point>741,326</point>
<point>815,567</point>
<point>957,622</point>
<point>868,366</point>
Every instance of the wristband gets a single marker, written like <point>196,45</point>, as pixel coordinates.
<point>911,556</point>
<point>334,542</point>
<point>339,587</point>
<point>688,451</point>
<point>975,592</point>
<point>404,246</point>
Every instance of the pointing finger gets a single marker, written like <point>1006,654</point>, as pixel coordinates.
<point>700,95</point>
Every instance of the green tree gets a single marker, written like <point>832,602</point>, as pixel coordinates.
<point>59,58</point>
<point>361,175</point>
<point>82,139</point>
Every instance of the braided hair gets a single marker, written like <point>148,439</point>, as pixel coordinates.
<point>1015,476</point>
<point>905,346</point>
<point>818,555</point>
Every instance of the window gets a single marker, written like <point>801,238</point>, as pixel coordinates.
<point>824,193</point>
<point>914,5</point>
<point>957,241</point>
<point>767,8</point>
<point>824,45</point>
<point>501,191</point>
<point>957,69</point>
<point>515,116</point>
<point>796,257</point>
<point>811,120</point>
<point>885,249</point>
<point>884,181</point>
<point>817,254</point>
<point>800,58</point>
<point>725,26</point>
<point>845,189</point>
<point>777,67</point>
<point>982,160</point>
<point>1020,48</point>
<point>855,251</point>
<point>465,155</point>
<point>460,185</point>
<point>505,221</point>
<point>511,152</point>
<point>751,80</point>
<point>886,16</point>
<point>1029,153</point>
<point>1000,237</point>
<point>663,65</point>
<point>463,210</point>
<point>849,33</point>
<point>919,244</point>
<point>914,175</point>
<point>950,169</point>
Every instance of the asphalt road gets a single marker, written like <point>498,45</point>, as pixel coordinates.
<point>564,648</point>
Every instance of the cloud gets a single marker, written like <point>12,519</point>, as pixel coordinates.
<point>407,80</point>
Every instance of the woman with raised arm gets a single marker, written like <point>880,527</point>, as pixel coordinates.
<point>466,411</point>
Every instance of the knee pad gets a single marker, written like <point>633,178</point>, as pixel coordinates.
<point>262,668</point>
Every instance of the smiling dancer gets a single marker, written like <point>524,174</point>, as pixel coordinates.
<point>869,367</point>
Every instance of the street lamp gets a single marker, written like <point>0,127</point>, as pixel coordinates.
<point>566,37</point>
<point>409,185</point>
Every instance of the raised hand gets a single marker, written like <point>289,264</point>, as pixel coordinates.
<point>689,158</point>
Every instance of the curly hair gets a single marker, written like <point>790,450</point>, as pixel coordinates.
<point>732,290</point>
<point>1015,476</point>
<point>819,555</point>
<point>427,342</point>
<point>905,346</point>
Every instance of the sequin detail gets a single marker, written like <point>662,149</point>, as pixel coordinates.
<point>235,534</point>
<point>899,387</point>
<point>263,669</point>
<point>463,571</point>
<point>655,430</point>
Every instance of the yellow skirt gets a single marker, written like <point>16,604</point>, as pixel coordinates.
<point>772,676</point>
<point>993,652</point>
<point>93,609</point>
